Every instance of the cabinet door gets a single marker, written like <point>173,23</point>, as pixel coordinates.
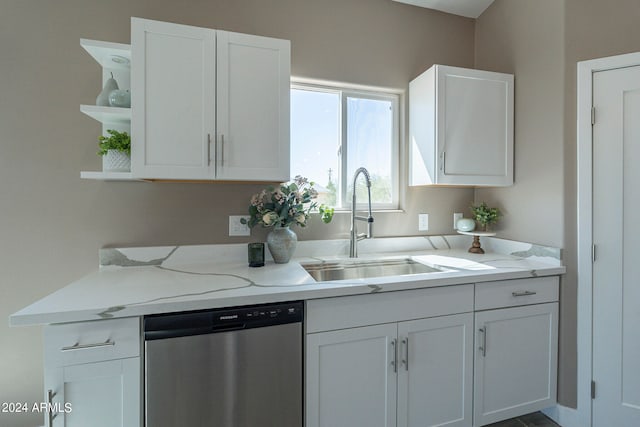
<point>515,362</point>
<point>351,378</point>
<point>101,394</point>
<point>173,100</point>
<point>474,122</point>
<point>461,127</point>
<point>435,371</point>
<point>253,75</point>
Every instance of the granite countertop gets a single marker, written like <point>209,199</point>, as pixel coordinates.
<point>141,281</point>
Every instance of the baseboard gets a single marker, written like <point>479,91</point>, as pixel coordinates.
<point>564,416</point>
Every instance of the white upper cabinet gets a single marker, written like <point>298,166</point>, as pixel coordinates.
<point>253,75</point>
<point>208,104</point>
<point>173,99</point>
<point>461,127</point>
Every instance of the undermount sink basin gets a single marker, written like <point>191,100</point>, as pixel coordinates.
<point>361,269</point>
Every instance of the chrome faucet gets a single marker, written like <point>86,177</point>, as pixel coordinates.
<point>353,249</point>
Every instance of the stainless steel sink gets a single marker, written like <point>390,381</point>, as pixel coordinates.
<point>361,269</point>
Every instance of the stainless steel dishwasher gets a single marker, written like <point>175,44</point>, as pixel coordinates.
<point>233,367</point>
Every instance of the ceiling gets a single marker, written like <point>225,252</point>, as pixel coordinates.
<point>468,8</point>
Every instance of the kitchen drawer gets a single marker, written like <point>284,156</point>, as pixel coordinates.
<point>86,342</point>
<point>509,293</point>
<point>362,310</point>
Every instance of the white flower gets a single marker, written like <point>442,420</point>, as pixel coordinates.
<point>301,218</point>
<point>278,195</point>
<point>269,218</point>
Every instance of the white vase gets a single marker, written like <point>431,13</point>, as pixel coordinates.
<point>116,161</point>
<point>282,242</point>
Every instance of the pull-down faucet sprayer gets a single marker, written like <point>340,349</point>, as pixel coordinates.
<point>353,249</point>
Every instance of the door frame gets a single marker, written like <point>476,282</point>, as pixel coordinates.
<point>585,222</point>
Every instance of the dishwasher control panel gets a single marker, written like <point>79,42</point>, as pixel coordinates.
<point>160,326</point>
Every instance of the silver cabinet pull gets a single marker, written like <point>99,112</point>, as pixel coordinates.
<point>442,164</point>
<point>394,362</point>
<point>222,150</point>
<point>483,348</point>
<point>215,163</point>
<point>405,343</point>
<point>51,416</point>
<point>78,346</point>
<point>523,294</point>
<point>208,149</point>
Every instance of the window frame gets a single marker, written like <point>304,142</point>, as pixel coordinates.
<point>345,91</point>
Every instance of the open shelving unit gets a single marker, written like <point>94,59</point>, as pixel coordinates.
<point>115,59</point>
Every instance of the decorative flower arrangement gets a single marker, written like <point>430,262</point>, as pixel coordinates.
<point>485,215</point>
<point>285,205</point>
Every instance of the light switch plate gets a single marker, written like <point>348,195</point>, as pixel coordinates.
<point>423,222</point>
<point>236,228</point>
<point>456,217</point>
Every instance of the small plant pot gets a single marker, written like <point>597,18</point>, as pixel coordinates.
<point>116,161</point>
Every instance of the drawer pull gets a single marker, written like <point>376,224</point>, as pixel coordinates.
<point>523,294</point>
<point>78,346</point>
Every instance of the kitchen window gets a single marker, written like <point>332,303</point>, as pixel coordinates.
<point>334,131</point>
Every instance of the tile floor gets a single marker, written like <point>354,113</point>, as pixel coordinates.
<point>537,419</point>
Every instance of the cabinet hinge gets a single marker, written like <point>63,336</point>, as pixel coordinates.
<point>593,389</point>
<point>593,116</point>
<point>593,253</point>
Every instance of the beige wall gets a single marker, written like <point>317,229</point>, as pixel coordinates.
<point>541,42</point>
<point>53,223</point>
<point>525,37</point>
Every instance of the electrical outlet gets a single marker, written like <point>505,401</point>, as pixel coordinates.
<point>236,228</point>
<point>423,222</point>
<point>456,217</point>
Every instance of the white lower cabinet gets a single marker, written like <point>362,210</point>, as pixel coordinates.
<point>101,394</point>
<point>93,374</point>
<point>435,372</point>
<point>350,377</point>
<point>515,361</point>
<point>405,373</point>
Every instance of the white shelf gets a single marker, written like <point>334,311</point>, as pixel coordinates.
<point>107,114</point>
<point>108,176</point>
<point>105,53</point>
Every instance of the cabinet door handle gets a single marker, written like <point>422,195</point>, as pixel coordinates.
<point>215,151</point>
<point>483,348</point>
<point>222,150</point>
<point>208,149</point>
<point>442,165</point>
<point>51,416</point>
<point>523,294</point>
<point>394,362</point>
<point>405,343</point>
<point>78,346</point>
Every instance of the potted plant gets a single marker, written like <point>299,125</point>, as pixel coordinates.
<point>281,207</point>
<point>115,150</point>
<point>484,215</point>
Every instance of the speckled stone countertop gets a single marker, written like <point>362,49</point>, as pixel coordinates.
<point>140,281</point>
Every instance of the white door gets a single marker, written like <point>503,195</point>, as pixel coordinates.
<point>253,85</point>
<point>173,100</point>
<point>616,271</point>
<point>516,362</point>
<point>351,377</point>
<point>101,394</point>
<point>435,371</point>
